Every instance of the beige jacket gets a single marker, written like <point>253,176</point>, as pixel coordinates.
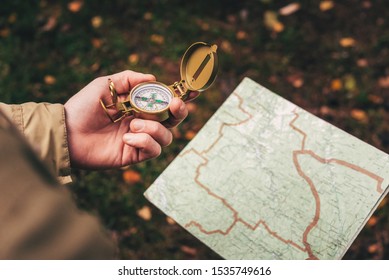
<point>38,218</point>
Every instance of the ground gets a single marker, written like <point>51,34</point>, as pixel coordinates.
<point>328,57</point>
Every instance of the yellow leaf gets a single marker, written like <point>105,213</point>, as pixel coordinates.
<point>158,39</point>
<point>271,21</point>
<point>326,5</point>
<point>336,84</point>
<point>144,213</point>
<point>359,115</point>
<point>75,6</point>
<point>131,176</point>
<point>350,83</point>
<point>289,9</point>
<point>50,80</point>
<point>347,42</point>
<point>96,21</point>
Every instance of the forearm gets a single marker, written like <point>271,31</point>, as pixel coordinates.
<point>43,125</point>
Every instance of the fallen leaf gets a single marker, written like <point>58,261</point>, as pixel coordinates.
<point>131,176</point>
<point>144,213</point>
<point>326,5</point>
<point>190,134</point>
<point>50,24</point>
<point>347,42</point>
<point>97,43</point>
<point>97,21</point>
<point>133,58</point>
<point>295,80</point>
<point>373,248</point>
<point>148,16</point>
<point>362,62</point>
<point>336,84</point>
<point>4,32</point>
<point>241,35</point>
<point>372,221</point>
<point>95,66</point>
<point>188,250</point>
<point>192,107</point>
<point>226,46</point>
<point>289,9</point>
<point>271,21</point>
<point>170,221</point>
<point>12,18</point>
<point>50,80</point>
<point>158,39</point>
<point>384,82</point>
<point>375,99</point>
<point>75,6</point>
<point>350,83</point>
<point>359,115</point>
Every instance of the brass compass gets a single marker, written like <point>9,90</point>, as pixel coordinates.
<point>151,100</point>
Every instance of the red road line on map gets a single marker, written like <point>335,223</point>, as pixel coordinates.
<point>307,247</point>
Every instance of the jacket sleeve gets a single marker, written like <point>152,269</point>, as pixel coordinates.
<point>38,217</point>
<point>43,125</point>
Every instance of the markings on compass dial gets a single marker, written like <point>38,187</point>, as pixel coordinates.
<point>152,99</point>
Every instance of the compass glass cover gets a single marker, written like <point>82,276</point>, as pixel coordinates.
<point>151,97</point>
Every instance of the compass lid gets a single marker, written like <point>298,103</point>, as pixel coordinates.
<point>199,66</point>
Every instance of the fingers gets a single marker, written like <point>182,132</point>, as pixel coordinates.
<point>147,136</point>
<point>178,112</point>
<point>126,80</point>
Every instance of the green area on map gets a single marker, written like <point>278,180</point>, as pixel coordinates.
<point>264,179</point>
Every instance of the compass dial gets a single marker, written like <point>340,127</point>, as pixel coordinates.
<point>151,97</point>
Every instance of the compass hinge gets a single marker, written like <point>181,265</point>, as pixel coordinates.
<point>180,89</point>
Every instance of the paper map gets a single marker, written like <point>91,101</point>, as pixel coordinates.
<point>264,179</point>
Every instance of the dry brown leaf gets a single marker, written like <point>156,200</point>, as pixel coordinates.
<point>362,62</point>
<point>188,250</point>
<point>97,21</point>
<point>144,213</point>
<point>192,107</point>
<point>131,176</point>
<point>289,9</point>
<point>50,80</point>
<point>50,24</point>
<point>12,18</point>
<point>95,66</point>
<point>75,6</point>
<point>347,42</point>
<point>336,84</point>
<point>359,115</point>
<point>326,5</point>
<point>158,39</point>
<point>383,203</point>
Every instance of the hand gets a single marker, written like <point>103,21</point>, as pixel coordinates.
<point>96,143</point>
